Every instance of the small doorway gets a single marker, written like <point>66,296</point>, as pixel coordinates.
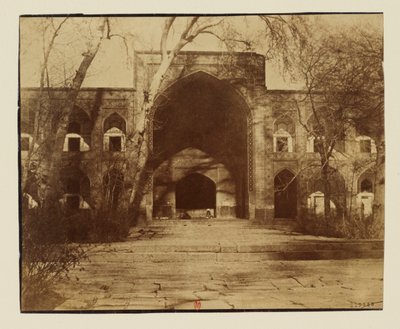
<point>195,196</point>
<point>285,185</point>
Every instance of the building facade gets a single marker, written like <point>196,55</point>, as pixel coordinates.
<point>224,145</point>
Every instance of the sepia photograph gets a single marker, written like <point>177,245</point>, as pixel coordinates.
<point>190,163</point>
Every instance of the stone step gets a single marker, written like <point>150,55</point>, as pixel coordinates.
<point>359,246</point>
<point>236,240</point>
<point>206,257</point>
<point>247,253</point>
<point>284,225</point>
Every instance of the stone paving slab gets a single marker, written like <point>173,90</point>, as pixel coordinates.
<point>311,284</point>
<point>122,276</point>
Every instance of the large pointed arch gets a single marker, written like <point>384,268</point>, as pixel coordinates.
<point>206,113</point>
<point>163,94</point>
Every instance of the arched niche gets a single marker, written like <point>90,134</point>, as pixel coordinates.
<point>285,188</point>
<point>202,112</point>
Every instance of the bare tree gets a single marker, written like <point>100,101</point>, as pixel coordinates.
<point>45,255</point>
<point>40,115</point>
<point>278,34</point>
<point>344,88</point>
<point>368,118</point>
<point>194,27</point>
<point>53,111</point>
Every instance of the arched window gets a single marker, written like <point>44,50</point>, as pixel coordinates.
<point>365,196</point>
<point>283,134</point>
<point>115,120</point>
<point>365,182</point>
<point>74,127</point>
<point>76,187</point>
<point>366,186</point>
<point>114,133</point>
<point>78,134</point>
<point>72,186</point>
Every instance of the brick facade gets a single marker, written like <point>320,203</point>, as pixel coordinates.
<point>216,117</point>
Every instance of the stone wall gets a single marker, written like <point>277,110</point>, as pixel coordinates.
<point>239,81</point>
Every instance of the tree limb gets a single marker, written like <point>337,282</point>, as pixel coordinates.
<point>164,37</point>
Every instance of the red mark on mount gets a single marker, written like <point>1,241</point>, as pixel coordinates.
<point>197,304</point>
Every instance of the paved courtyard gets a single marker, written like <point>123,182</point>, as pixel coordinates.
<point>225,264</point>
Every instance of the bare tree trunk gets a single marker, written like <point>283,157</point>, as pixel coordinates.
<point>144,149</point>
<point>50,154</point>
<point>38,119</point>
<point>327,191</point>
<point>192,29</point>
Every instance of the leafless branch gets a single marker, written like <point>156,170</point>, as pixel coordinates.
<point>164,38</point>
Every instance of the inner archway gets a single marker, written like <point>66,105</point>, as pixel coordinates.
<point>285,195</point>
<point>195,192</point>
<point>200,112</point>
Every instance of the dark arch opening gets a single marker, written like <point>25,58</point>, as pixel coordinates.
<point>74,127</point>
<point>81,124</point>
<point>366,186</point>
<point>114,121</point>
<point>195,191</point>
<point>285,123</point>
<point>74,185</point>
<point>285,185</point>
<point>202,112</point>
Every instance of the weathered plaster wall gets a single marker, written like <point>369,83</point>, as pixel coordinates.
<point>243,78</point>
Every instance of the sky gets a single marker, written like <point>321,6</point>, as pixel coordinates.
<point>112,66</point>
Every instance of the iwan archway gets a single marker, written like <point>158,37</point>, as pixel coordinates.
<point>194,195</point>
<point>201,126</point>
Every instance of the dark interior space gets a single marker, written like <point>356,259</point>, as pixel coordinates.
<point>205,113</point>
<point>195,191</point>
<point>285,195</point>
